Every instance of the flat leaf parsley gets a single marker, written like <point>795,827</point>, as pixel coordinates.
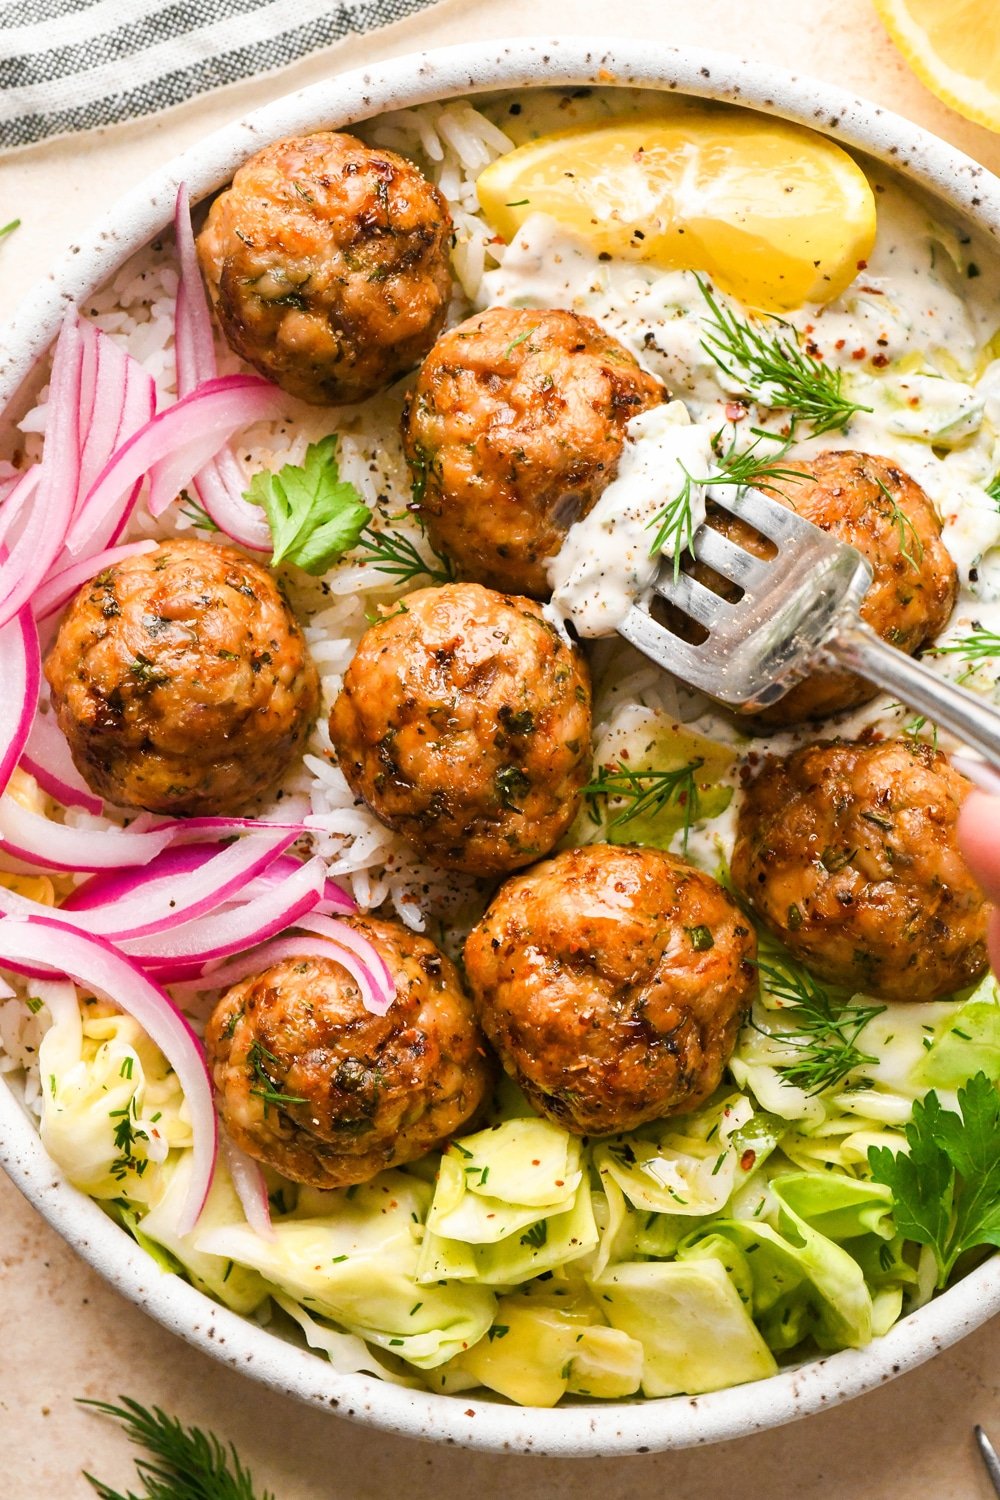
<point>947,1186</point>
<point>314,515</point>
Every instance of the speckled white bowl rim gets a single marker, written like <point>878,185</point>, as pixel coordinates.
<point>578,1429</point>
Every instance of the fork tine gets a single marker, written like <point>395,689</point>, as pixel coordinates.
<point>718,552</point>
<point>662,646</point>
<point>692,597</point>
<point>768,516</point>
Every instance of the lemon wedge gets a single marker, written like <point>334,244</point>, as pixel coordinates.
<point>953,46</point>
<point>775,214</point>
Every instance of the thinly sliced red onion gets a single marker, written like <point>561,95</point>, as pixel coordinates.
<point>349,937</point>
<point>54,846</point>
<point>211,413</point>
<point>268,954</point>
<point>20,682</point>
<point>193,340</point>
<point>158,903</point>
<point>173,446</point>
<point>109,886</point>
<point>16,498</point>
<point>60,587</point>
<point>138,408</point>
<point>219,485</point>
<point>123,398</point>
<point>198,828</point>
<point>41,538</point>
<point>101,903</point>
<point>95,963</point>
<point>251,1189</point>
<point>335,900</point>
<point>47,757</point>
<point>181,952</point>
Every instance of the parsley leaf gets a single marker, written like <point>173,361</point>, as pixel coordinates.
<point>314,515</point>
<point>947,1188</point>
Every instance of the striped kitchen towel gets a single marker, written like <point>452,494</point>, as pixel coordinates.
<point>69,65</point>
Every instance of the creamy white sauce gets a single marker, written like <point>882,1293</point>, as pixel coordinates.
<point>912,336</point>
<point>605,564</point>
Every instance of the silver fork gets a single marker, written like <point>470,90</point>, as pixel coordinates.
<point>798,611</point>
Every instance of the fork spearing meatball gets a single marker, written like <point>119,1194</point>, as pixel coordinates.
<point>515,427</point>
<point>871,504</point>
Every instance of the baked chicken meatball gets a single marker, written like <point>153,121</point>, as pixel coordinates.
<point>848,853</point>
<point>514,429</point>
<point>612,982</point>
<point>182,681</point>
<point>327,261</point>
<point>464,723</point>
<point>870,503</point>
<point>311,1083</point>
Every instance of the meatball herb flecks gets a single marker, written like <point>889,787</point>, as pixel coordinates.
<point>514,429</point>
<point>182,681</point>
<point>870,503</point>
<point>848,854</point>
<point>327,261</point>
<point>612,982</point>
<point>464,723</point>
<point>312,1084</point>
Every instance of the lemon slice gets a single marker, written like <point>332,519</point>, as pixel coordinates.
<point>777,215</point>
<point>953,46</point>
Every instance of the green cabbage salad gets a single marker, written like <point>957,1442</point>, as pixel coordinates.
<point>694,1253</point>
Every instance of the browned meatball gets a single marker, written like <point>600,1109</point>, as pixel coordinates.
<point>317,1087</point>
<point>328,264</point>
<point>848,853</point>
<point>515,428</point>
<point>464,723</point>
<point>612,982</point>
<point>872,505</point>
<point>181,680</point>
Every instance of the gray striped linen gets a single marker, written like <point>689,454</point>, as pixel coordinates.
<point>70,65</point>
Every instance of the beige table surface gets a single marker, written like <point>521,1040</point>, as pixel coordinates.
<point>65,1333</point>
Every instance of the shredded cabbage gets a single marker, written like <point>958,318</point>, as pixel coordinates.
<point>686,1256</point>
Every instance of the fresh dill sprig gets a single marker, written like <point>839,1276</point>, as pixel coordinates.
<point>822,1031</point>
<point>197,514</point>
<point>904,527</point>
<point>914,731</point>
<point>397,555</point>
<point>675,523</point>
<point>993,489</point>
<point>266,1087</point>
<point>6,229</point>
<point>774,369</point>
<point>186,1463</point>
<point>646,793</point>
<point>980,645</point>
<point>746,470</point>
<point>753,470</point>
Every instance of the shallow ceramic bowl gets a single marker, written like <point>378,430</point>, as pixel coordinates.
<point>579,1429</point>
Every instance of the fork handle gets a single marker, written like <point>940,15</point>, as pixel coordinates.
<point>857,646</point>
